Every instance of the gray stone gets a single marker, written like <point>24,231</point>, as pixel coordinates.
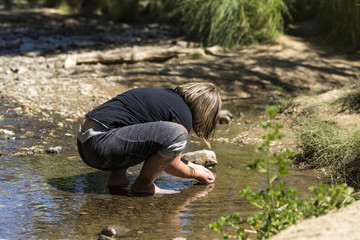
<point>103,237</point>
<point>113,232</point>
<point>207,158</point>
<point>225,116</point>
<point>225,112</point>
<point>54,150</point>
<point>224,119</point>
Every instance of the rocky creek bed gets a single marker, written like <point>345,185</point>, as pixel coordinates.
<point>43,99</point>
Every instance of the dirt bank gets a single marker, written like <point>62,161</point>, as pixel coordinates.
<point>340,224</point>
<point>32,71</point>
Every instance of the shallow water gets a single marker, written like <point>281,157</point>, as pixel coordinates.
<point>58,197</point>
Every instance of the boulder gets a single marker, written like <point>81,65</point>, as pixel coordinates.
<point>206,158</point>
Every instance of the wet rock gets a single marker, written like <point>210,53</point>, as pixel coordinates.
<point>111,232</point>
<point>6,132</point>
<point>227,113</point>
<point>22,137</point>
<point>225,117</point>
<point>204,157</point>
<point>33,150</point>
<point>54,150</point>
<point>18,111</point>
<point>103,237</point>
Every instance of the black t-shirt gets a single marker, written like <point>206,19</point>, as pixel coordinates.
<point>142,105</point>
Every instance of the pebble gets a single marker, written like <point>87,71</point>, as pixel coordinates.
<point>113,232</point>
<point>6,132</point>
<point>54,150</point>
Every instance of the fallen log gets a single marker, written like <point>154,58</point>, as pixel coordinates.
<point>130,55</point>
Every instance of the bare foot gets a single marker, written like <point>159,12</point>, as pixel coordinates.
<point>150,190</point>
<point>117,179</point>
<point>164,191</point>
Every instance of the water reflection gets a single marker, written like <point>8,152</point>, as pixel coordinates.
<point>147,217</point>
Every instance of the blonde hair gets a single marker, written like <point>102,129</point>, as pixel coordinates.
<point>205,103</point>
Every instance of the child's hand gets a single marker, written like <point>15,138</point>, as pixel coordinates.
<point>202,174</point>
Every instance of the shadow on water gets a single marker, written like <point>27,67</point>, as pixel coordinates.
<point>92,182</point>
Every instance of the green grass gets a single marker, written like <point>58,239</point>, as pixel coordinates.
<point>325,145</point>
<point>232,23</point>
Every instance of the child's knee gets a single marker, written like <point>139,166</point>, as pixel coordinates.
<point>176,142</point>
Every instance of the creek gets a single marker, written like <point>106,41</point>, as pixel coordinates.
<point>56,196</point>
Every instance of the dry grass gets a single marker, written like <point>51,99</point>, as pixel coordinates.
<point>324,144</point>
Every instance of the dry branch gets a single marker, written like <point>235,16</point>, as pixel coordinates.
<point>130,55</point>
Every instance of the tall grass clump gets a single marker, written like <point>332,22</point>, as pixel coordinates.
<point>325,145</point>
<point>339,22</point>
<point>232,23</point>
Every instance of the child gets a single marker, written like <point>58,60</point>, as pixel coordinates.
<point>149,125</point>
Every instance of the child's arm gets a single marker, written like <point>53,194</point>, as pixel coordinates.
<point>186,169</point>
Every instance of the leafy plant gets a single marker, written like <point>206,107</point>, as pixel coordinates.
<point>234,22</point>
<point>279,207</point>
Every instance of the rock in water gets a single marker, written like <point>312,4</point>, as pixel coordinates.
<point>225,117</point>
<point>207,158</point>
<point>113,232</point>
<point>54,150</point>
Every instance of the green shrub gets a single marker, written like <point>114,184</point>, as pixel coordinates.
<point>279,207</point>
<point>233,22</point>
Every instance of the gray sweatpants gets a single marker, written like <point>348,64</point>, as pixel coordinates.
<point>128,146</point>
